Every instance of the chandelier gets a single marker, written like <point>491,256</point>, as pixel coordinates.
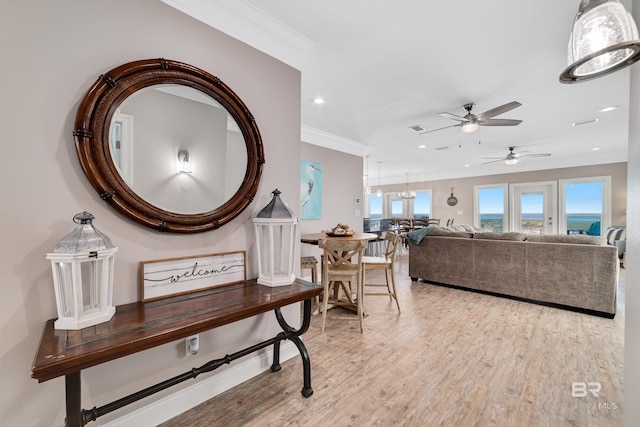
<point>406,194</point>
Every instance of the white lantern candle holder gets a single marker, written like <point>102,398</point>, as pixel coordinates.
<point>82,264</point>
<point>276,234</point>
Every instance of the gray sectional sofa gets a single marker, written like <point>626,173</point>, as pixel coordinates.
<point>578,272</point>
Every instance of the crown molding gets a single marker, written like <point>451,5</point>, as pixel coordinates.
<point>249,24</point>
<point>334,142</point>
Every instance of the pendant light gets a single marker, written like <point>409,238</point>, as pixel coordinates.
<point>367,189</point>
<point>379,191</point>
<point>604,39</point>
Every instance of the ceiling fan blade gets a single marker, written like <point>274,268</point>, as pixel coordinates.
<point>499,122</point>
<point>498,110</point>
<point>453,117</point>
<point>537,155</point>
<point>501,159</point>
<point>489,158</point>
<point>434,130</point>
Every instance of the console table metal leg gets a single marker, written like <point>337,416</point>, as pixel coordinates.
<point>72,396</point>
<point>275,366</point>
<point>294,335</point>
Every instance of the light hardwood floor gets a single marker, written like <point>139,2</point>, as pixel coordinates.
<point>452,358</point>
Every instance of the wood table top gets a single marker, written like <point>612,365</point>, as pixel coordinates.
<point>142,325</point>
<point>314,237</point>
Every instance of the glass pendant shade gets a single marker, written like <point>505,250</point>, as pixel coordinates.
<point>604,39</point>
<point>276,235</point>
<point>82,264</point>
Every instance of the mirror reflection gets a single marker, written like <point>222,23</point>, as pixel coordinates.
<point>178,148</point>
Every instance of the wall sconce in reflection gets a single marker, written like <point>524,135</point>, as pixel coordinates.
<point>184,164</point>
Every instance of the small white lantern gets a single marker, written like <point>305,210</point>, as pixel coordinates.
<point>82,264</point>
<point>276,233</point>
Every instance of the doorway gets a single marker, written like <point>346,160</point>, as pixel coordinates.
<point>534,207</point>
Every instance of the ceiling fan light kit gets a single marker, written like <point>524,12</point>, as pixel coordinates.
<point>469,127</point>
<point>604,39</point>
<point>512,161</point>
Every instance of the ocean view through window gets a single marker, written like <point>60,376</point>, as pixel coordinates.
<point>490,207</point>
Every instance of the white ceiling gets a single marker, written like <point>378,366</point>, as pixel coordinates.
<point>383,66</point>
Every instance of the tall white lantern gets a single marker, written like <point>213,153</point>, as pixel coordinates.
<point>276,233</point>
<point>82,264</point>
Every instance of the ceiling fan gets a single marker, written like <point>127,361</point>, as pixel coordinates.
<point>472,122</point>
<point>513,158</point>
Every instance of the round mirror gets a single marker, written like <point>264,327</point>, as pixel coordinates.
<point>169,145</point>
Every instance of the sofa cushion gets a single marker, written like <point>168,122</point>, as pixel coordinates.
<point>578,239</point>
<point>511,235</point>
<point>463,227</point>
<point>615,233</point>
<point>450,233</point>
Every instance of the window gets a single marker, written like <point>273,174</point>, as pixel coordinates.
<point>585,205</point>
<point>490,207</point>
<point>396,208</point>
<point>422,205</point>
<point>375,206</point>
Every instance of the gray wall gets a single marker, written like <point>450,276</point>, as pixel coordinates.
<point>51,53</point>
<point>342,184</point>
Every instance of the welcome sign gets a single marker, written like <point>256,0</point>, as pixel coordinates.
<point>176,276</point>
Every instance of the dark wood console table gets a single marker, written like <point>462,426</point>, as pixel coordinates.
<point>140,326</point>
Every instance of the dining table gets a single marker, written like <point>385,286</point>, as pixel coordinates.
<point>313,238</point>
<point>338,300</point>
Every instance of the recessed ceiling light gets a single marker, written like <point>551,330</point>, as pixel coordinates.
<point>422,146</point>
<point>595,148</point>
<point>609,108</point>
<point>318,100</point>
<point>466,166</point>
<point>584,122</point>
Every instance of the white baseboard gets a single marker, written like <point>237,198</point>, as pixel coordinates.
<point>171,406</point>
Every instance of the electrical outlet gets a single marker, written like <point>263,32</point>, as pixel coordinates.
<point>192,345</point>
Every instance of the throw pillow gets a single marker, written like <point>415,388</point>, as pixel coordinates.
<point>615,233</point>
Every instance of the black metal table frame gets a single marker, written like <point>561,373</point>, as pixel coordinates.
<point>80,417</point>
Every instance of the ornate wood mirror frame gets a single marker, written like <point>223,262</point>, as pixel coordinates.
<point>92,132</point>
